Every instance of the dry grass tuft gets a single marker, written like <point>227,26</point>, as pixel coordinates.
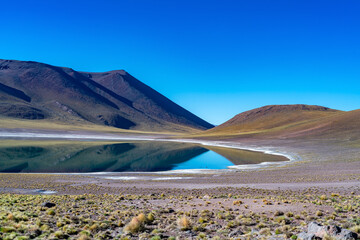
<point>136,224</point>
<point>184,223</point>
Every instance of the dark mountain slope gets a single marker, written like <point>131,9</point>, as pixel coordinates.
<point>146,99</point>
<point>6,90</point>
<point>63,94</point>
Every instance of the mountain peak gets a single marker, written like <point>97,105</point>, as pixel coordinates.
<point>112,98</point>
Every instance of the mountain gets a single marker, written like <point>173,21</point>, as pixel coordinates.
<point>291,121</point>
<point>32,90</point>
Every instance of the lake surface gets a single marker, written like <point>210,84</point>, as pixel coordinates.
<point>140,156</point>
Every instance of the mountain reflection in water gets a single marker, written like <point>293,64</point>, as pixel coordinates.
<point>147,156</point>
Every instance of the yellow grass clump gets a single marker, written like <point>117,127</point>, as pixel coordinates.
<point>184,223</point>
<point>136,224</point>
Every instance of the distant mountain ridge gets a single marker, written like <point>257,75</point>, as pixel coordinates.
<point>32,90</point>
<point>271,110</point>
<point>273,115</point>
<point>291,121</point>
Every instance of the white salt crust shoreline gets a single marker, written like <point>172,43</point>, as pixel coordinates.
<point>224,144</point>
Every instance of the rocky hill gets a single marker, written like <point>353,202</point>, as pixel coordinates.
<point>32,90</point>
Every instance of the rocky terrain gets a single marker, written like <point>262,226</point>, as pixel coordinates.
<point>84,208</point>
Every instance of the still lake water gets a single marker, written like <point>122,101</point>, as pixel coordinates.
<point>86,157</point>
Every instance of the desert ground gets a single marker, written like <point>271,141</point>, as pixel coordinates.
<point>320,183</point>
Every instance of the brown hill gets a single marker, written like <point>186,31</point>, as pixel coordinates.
<point>345,125</point>
<point>291,121</point>
<point>273,116</point>
<point>32,90</point>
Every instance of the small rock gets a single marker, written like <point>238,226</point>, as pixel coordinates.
<point>307,236</point>
<point>317,231</point>
<point>48,204</point>
<point>236,232</point>
<point>333,230</point>
<point>34,233</point>
<point>315,228</point>
<point>347,235</point>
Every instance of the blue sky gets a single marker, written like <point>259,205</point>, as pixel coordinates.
<point>215,58</point>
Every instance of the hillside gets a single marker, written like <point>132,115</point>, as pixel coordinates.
<point>291,121</point>
<point>38,91</point>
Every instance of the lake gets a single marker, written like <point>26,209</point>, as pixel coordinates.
<point>138,156</point>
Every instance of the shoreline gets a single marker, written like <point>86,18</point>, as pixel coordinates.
<point>309,162</point>
<point>262,203</point>
<point>11,135</point>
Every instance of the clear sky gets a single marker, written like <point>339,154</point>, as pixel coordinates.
<point>215,58</point>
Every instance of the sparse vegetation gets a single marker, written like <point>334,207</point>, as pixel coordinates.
<point>127,216</point>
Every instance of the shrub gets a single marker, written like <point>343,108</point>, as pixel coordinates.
<point>289,214</point>
<point>278,213</point>
<point>150,218</point>
<point>136,224</point>
<point>184,223</point>
<point>319,213</point>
